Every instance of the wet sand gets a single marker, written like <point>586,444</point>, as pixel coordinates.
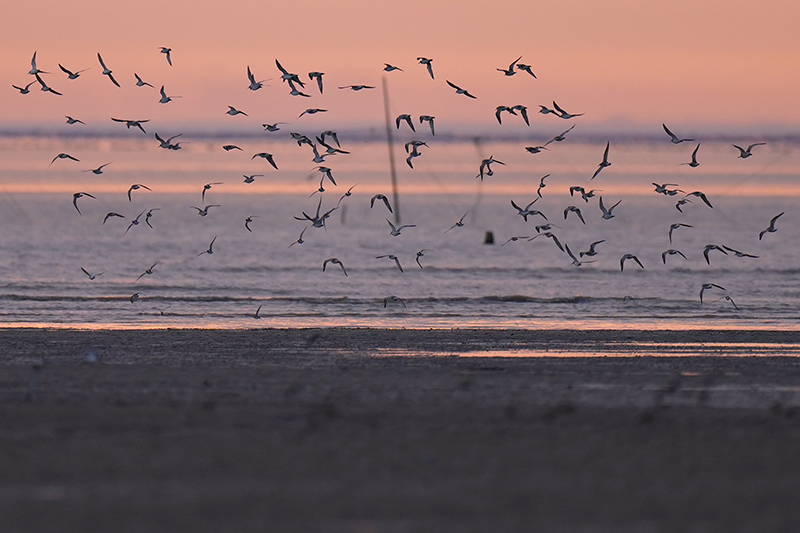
<point>398,430</point>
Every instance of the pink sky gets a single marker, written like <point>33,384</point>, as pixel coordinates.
<point>704,65</point>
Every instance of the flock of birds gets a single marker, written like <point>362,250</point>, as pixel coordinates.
<point>327,145</point>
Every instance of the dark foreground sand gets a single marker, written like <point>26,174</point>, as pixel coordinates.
<point>310,430</point>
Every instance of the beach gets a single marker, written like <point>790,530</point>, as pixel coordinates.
<point>386,430</point>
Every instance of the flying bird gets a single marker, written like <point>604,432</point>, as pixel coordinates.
<point>299,239</point>
<point>140,82</point>
<point>428,63</point>
<point>604,163</point>
<point>549,235</point>
<point>393,299</point>
<point>135,187</point>
<point>737,253</point>
<point>46,88</point>
<point>34,69</point>
<point>62,155</point>
<point>575,261</point>
<point>665,253</point>
<point>164,98</point>
<point>407,118</point>
<point>542,185</point>
<point>210,250</point>
<point>421,253</point>
<point>771,228</point>
<point>708,286</point>
<point>248,220</point>
<point>527,211</point>
<point>510,70</point>
<point>317,76</point>
<point>71,75</point>
<point>429,120</point>
<point>232,111</point>
<point>24,90</point>
<point>149,215</point>
<point>459,224</point>
<point>526,68</point>
<point>672,137</point>
<point>288,76</point>
<point>91,276</point>
<point>254,85</point>
<point>98,170</point>
<point>673,227</point>
<point>389,68</point>
<point>147,272</point>
<point>701,196</point>
<point>269,157</point>
<point>204,212</point>
<point>710,247</point>
<point>459,90</point>
<point>168,52</point>
<point>487,168</point>
<point>626,257</point>
<point>393,258</point>
<point>75,199</point>
<point>383,198</point>
<point>132,123</point>
<point>744,154</point>
<point>335,261</point>
<point>560,137</point>
<point>206,187</point>
<point>523,110</point>
<point>106,70</point>
<point>312,111</point>
<point>693,163</point>
<point>574,210</point>
<point>608,213</point>
<point>563,114</point>
<point>591,252</point>
<point>501,109</point>
<point>357,87</point>
<point>71,120</point>
<point>112,215</point>
<point>134,222</point>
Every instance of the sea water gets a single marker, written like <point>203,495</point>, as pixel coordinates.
<point>459,281</point>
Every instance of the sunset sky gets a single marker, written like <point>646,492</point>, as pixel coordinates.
<point>627,64</point>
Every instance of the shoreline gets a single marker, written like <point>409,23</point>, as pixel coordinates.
<point>318,430</point>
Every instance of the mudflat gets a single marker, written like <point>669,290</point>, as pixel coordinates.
<point>382,430</point>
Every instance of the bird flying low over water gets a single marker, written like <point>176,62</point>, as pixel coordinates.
<point>560,137</point>
<point>708,286</point>
<point>135,187</point>
<point>206,187</point>
<point>744,154</point>
<point>693,163</point>
<point>710,247</point>
<point>459,90</point>
<point>665,253</point>
<point>421,253</point>
<point>608,213</point>
<point>541,185</point>
<point>210,250</point>
<point>575,210</point>
<point>591,252</point>
<point>604,163</point>
<point>428,63</point>
<point>396,230</point>
<point>147,272</point>
<point>106,70</point>
<point>269,157</point>
<point>335,261</point>
<point>673,227</point>
<point>730,300</point>
<point>393,258</point>
<point>132,123</point>
<point>500,109</point>
<point>701,196</point>
<point>91,276</point>
<point>575,261</point>
<point>737,253</point>
<point>288,76</point>
<point>672,137</point>
<point>247,222</point>
<point>625,258</point>
<point>563,114</point>
<point>393,299</point>
<point>389,68</point>
<point>63,155</point>
<point>75,199</point>
<point>382,198</point>
<point>134,222</point>
<point>527,211</point>
<point>112,215</point>
<point>407,118</point>
<point>71,120</point>
<point>459,224</point>
<point>429,119</point>
<point>549,235</point>
<point>771,228</point>
<point>204,212</point>
<point>486,167</point>
<point>98,170</point>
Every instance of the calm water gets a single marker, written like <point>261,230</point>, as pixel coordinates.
<point>464,282</point>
